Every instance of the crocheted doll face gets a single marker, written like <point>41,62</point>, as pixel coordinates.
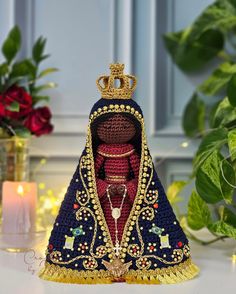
<point>116,129</point>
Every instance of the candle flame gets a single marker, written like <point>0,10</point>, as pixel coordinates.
<point>20,190</point>
<point>234,258</point>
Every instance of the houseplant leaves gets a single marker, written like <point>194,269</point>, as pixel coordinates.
<point>194,116</point>
<point>229,216</point>
<point>213,178</point>
<point>221,15</point>
<point>190,54</point>
<point>232,143</point>
<point>218,80</point>
<point>214,140</point>
<point>222,228</point>
<point>225,114</point>
<point>231,90</point>
<point>214,173</point>
<point>198,212</point>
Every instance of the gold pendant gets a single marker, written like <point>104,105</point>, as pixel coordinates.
<point>115,213</point>
<point>117,267</point>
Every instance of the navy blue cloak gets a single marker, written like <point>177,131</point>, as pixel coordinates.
<point>153,243</point>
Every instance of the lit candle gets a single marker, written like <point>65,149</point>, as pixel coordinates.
<point>19,207</point>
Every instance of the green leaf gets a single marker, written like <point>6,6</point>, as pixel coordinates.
<point>12,81</point>
<point>23,68</point>
<point>44,87</point>
<point>9,50</point>
<point>225,114</point>
<point>231,90</point>
<point>12,44</point>
<point>222,228</point>
<point>232,2</point>
<point>172,41</point>
<point>4,69</point>
<point>218,80</point>
<point>173,191</point>
<point>44,57</point>
<point>38,49</point>
<point>14,107</point>
<point>211,115</point>
<point>37,99</point>
<point>47,71</point>
<point>211,142</point>
<point>203,40</point>
<point>229,217</point>
<point>189,54</point>
<point>220,15</point>
<point>194,116</point>
<point>232,143</point>
<point>210,183</point>
<point>15,35</point>
<point>227,180</point>
<point>198,212</point>
<point>22,132</point>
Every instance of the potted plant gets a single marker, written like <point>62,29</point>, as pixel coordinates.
<point>210,115</point>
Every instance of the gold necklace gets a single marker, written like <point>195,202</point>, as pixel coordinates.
<point>116,213</point>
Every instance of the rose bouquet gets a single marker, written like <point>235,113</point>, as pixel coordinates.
<point>22,108</point>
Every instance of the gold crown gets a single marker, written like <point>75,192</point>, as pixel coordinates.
<point>109,89</point>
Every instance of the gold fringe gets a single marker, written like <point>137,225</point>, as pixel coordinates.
<point>60,274</point>
<point>170,275</point>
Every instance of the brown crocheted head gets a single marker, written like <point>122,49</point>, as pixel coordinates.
<point>116,129</point>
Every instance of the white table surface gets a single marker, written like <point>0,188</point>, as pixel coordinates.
<point>218,275</point>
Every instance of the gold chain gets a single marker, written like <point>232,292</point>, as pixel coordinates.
<point>116,213</point>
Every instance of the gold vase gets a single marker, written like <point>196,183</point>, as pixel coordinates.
<point>14,159</point>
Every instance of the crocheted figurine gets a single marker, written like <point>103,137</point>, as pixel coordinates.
<point>115,223</point>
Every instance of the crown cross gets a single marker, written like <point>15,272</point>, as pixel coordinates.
<point>107,84</point>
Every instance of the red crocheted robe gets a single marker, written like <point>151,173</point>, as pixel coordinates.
<point>117,160</point>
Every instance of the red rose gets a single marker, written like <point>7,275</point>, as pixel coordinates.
<point>19,95</point>
<point>2,108</point>
<point>38,121</point>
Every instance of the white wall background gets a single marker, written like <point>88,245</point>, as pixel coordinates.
<point>83,38</point>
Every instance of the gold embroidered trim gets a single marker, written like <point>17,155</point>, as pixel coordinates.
<point>116,155</point>
<point>138,229</point>
<point>56,255</point>
<point>170,275</point>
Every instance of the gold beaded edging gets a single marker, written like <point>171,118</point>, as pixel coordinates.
<point>170,275</point>
<point>139,196</point>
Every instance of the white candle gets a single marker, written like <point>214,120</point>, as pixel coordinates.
<point>19,207</point>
